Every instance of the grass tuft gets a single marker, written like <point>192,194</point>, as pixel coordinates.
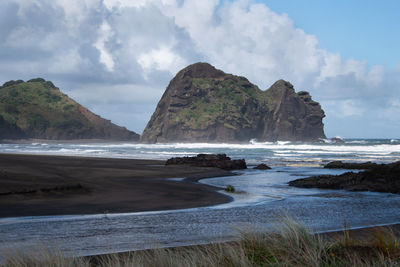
<point>230,189</point>
<point>290,245</point>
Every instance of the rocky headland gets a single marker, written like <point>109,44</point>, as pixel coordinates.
<point>380,178</point>
<point>37,109</point>
<point>204,104</point>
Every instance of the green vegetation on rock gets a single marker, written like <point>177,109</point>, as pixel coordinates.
<point>221,101</point>
<point>203,104</point>
<point>40,110</point>
<point>230,189</point>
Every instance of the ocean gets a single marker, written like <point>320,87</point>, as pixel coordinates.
<point>262,199</point>
<point>281,153</point>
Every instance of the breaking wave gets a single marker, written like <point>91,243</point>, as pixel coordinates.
<point>254,152</point>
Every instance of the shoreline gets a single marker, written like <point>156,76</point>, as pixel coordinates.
<point>74,141</point>
<point>365,234</point>
<point>47,185</point>
<point>105,182</point>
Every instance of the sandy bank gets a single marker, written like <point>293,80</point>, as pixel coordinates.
<point>33,185</point>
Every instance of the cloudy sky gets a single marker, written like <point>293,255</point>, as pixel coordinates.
<point>116,57</point>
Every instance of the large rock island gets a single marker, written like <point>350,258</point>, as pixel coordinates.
<point>204,104</point>
<point>38,109</point>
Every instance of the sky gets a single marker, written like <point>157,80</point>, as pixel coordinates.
<point>116,57</point>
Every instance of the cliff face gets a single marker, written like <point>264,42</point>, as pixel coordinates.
<point>292,116</point>
<point>38,109</point>
<point>203,104</point>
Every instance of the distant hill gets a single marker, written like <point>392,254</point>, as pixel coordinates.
<point>38,109</point>
<point>204,104</point>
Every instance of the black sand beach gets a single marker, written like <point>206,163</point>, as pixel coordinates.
<point>34,185</point>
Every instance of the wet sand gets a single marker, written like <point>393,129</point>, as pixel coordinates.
<point>37,185</point>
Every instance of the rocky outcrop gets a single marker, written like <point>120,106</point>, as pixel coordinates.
<point>382,178</point>
<point>9,130</point>
<point>204,104</point>
<point>351,165</point>
<point>262,166</point>
<point>209,160</point>
<point>37,109</point>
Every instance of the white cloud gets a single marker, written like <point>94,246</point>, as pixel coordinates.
<point>343,108</point>
<point>105,33</point>
<point>391,113</point>
<point>375,76</point>
<point>349,108</point>
<point>114,51</point>
<point>66,62</point>
<point>76,11</point>
<point>116,93</point>
<point>161,59</point>
<point>249,39</point>
<point>110,4</point>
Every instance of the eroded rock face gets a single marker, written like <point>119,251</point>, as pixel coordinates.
<point>9,130</point>
<point>210,160</point>
<point>203,104</point>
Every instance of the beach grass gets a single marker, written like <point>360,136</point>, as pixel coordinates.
<point>289,245</point>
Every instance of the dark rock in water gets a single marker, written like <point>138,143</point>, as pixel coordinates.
<point>381,178</point>
<point>37,109</point>
<point>357,166</point>
<point>210,160</point>
<point>262,166</point>
<point>204,104</point>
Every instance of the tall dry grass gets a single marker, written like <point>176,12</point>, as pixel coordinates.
<point>290,245</point>
<point>42,257</point>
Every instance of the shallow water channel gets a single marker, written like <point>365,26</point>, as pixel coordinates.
<point>262,199</point>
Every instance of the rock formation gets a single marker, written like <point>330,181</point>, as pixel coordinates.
<point>381,178</point>
<point>38,109</point>
<point>351,165</point>
<point>262,166</point>
<point>209,160</point>
<point>204,104</point>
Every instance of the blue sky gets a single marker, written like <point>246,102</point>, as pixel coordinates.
<point>361,29</point>
<point>116,57</point>
<point>365,30</point>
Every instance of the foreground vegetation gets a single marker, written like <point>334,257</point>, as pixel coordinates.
<point>291,245</point>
